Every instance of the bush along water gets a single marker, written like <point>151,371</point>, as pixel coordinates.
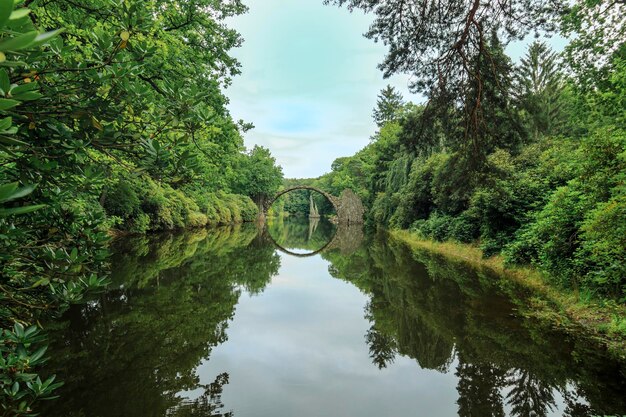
<point>112,116</point>
<point>141,205</point>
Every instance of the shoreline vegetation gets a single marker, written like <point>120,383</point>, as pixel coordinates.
<point>523,163</point>
<point>602,320</point>
<point>113,115</point>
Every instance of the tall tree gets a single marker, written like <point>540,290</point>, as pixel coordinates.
<point>539,85</point>
<point>436,42</point>
<point>388,106</point>
<point>257,174</point>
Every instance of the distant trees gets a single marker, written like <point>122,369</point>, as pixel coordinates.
<point>388,106</point>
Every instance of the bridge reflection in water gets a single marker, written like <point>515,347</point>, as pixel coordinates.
<point>306,237</point>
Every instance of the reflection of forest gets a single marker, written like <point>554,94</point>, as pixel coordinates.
<point>299,233</point>
<point>131,351</point>
<point>443,314</point>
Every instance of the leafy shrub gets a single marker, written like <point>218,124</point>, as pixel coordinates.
<point>21,350</point>
<point>602,253</point>
<point>465,227</point>
<point>579,233</point>
<point>197,219</point>
<point>249,210</point>
<point>122,200</point>
<point>383,208</point>
<point>436,227</point>
<point>140,223</point>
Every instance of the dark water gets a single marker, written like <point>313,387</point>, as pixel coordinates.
<point>241,323</point>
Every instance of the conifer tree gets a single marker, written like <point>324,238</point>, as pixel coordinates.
<point>388,105</point>
<point>539,86</point>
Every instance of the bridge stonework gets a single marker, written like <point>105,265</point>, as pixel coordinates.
<point>348,205</point>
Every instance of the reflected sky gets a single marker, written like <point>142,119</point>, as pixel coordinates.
<point>299,349</point>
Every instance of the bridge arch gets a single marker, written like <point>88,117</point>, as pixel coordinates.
<point>332,199</point>
<point>348,206</point>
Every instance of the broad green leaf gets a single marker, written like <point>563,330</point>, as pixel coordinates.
<point>6,190</point>
<point>29,95</point>
<point>38,354</point>
<point>20,210</point>
<point>10,192</point>
<point>7,103</point>
<point>6,7</point>
<point>19,89</point>
<point>19,42</point>
<point>5,123</point>
<point>19,14</point>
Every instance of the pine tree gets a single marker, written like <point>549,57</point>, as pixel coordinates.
<point>388,105</point>
<point>539,87</point>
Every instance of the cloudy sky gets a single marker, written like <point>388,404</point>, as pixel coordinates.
<point>309,82</point>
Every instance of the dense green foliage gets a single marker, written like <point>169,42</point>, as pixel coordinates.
<point>533,168</point>
<point>115,119</point>
<point>170,303</point>
<point>450,317</point>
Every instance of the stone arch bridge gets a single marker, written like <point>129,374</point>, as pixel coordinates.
<point>348,205</point>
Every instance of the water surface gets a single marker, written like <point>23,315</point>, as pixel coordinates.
<point>306,319</point>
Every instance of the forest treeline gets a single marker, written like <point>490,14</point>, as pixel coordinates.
<point>528,159</point>
<point>112,116</point>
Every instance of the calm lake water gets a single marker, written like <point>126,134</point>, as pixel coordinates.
<point>241,322</point>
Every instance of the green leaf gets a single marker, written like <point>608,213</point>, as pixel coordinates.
<point>6,7</point>
<point>6,103</point>
<point>12,64</point>
<point>20,210</point>
<point>19,14</point>
<point>46,36</point>
<point>5,123</point>
<point>10,191</point>
<point>18,328</point>
<point>7,190</point>
<point>19,42</point>
<point>12,141</point>
<point>5,83</point>
<point>18,89</point>
<point>38,354</point>
<point>29,95</point>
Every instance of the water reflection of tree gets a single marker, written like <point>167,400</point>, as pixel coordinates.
<point>479,389</point>
<point>529,395</point>
<point>434,311</point>
<point>135,348</point>
<point>209,404</point>
<point>300,233</point>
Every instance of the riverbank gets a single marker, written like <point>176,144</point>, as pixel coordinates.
<point>603,320</point>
